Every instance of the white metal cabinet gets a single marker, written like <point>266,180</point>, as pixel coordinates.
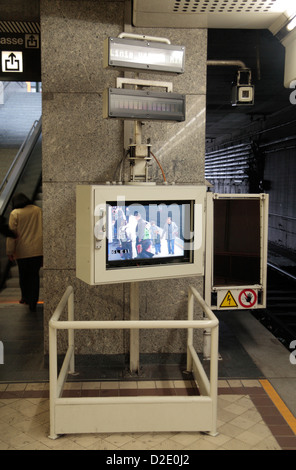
<point>236,251</point>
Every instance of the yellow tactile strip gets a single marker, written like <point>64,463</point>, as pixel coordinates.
<point>280,405</point>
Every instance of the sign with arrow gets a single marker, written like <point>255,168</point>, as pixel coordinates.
<point>12,61</point>
<point>20,57</point>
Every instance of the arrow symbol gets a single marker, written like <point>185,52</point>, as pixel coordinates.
<point>12,57</point>
<point>32,41</point>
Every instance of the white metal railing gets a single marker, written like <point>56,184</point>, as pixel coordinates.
<point>133,414</point>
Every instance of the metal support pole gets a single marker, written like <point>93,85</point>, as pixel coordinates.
<point>207,344</point>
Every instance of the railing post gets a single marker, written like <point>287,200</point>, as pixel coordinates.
<point>134,334</point>
<point>53,375</point>
<point>71,331</point>
<point>190,330</point>
<point>214,377</point>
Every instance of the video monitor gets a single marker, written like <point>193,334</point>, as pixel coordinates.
<point>127,233</point>
<point>150,232</point>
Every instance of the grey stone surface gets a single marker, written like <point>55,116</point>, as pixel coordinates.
<point>78,144</point>
<point>72,44</point>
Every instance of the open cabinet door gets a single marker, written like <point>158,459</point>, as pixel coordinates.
<point>236,251</point>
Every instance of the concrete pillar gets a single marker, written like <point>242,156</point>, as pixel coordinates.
<point>79,146</point>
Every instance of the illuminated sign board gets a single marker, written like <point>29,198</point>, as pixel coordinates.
<point>139,104</point>
<point>142,54</point>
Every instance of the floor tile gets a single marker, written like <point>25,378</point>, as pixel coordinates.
<point>246,420</point>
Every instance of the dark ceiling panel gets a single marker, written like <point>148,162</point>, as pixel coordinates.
<point>20,10</point>
<point>265,56</point>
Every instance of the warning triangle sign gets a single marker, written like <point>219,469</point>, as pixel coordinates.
<point>228,301</point>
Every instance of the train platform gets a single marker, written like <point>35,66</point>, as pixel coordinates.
<point>256,391</point>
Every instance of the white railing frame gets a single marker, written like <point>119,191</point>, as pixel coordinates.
<point>60,407</point>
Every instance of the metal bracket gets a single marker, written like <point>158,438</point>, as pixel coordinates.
<point>120,81</point>
<point>143,37</point>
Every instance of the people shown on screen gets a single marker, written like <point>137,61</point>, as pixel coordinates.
<point>155,235</point>
<point>146,252</point>
<point>140,231</point>
<point>125,239</point>
<point>134,237</point>
<point>170,232</point>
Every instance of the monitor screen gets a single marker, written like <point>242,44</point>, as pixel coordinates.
<point>148,233</point>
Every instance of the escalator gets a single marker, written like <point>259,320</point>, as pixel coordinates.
<point>24,175</point>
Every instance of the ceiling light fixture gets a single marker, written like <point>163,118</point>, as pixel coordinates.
<point>292,24</point>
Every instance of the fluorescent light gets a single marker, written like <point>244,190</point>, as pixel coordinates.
<point>292,24</point>
<point>143,54</point>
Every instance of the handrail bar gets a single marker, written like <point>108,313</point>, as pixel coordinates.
<point>132,399</point>
<point>130,324</point>
<point>127,324</point>
<point>5,179</point>
<point>18,164</point>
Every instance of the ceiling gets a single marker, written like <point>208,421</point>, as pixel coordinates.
<point>209,13</point>
<point>243,30</point>
<point>238,30</point>
<point>265,56</point>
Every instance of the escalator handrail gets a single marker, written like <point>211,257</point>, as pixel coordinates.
<point>19,162</point>
<point>6,177</point>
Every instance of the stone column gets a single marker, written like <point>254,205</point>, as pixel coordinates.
<point>80,147</point>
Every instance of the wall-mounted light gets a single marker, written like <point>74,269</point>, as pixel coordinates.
<point>143,55</point>
<point>138,104</point>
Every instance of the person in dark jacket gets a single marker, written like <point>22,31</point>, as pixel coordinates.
<point>146,249</point>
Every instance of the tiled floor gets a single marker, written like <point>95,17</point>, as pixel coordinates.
<point>248,418</point>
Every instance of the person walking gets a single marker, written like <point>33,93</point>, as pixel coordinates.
<point>25,221</point>
<point>170,232</point>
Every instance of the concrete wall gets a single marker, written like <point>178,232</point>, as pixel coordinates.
<point>275,173</point>
<point>80,147</point>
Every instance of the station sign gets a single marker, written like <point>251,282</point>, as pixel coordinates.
<point>20,57</point>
